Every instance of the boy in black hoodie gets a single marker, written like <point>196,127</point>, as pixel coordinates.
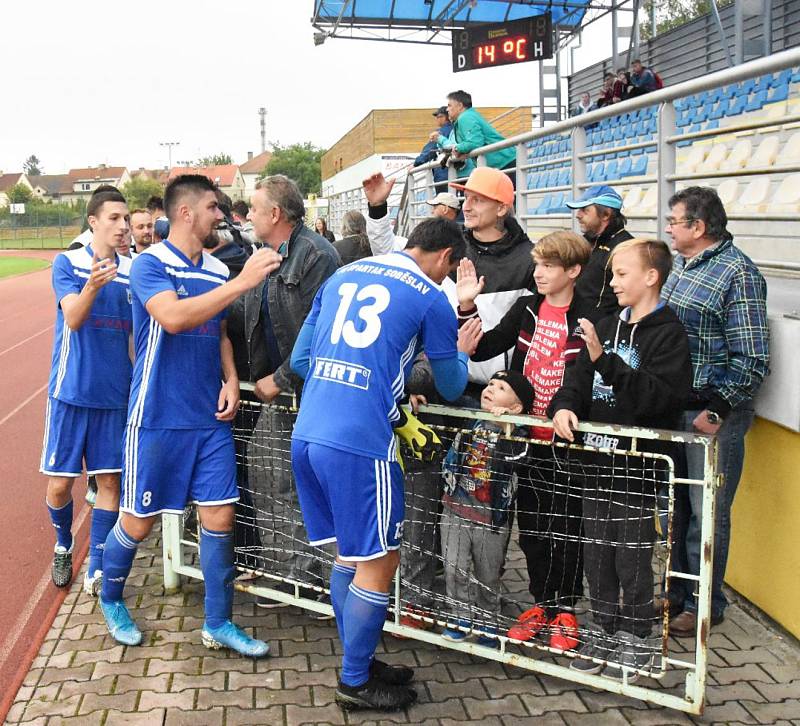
<point>541,330</point>
<point>635,371</point>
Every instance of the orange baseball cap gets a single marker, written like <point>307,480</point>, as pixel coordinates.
<point>491,183</point>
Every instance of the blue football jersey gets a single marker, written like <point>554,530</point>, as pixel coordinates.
<point>176,377</point>
<point>371,318</point>
<point>91,366</point>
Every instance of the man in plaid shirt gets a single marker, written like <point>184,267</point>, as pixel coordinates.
<point>721,299</point>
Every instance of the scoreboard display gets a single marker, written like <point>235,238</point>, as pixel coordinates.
<point>501,44</point>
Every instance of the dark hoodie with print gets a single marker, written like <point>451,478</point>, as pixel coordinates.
<point>643,378</point>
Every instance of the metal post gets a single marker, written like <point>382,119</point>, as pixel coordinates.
<point>559,116</point>
<point>722,37</point>
<point>578,167</point>
<point>653,20</point>
<point>767,27</point>
<point>614,38</point>
<point>665,154</point>
<point>541,94</point>
<point>738,31</point>
<point>262,112</point>
<point>172,550</point>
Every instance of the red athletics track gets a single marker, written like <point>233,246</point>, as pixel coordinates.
<point>29,600</point>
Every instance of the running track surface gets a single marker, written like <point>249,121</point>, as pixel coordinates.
<point>29,600</point>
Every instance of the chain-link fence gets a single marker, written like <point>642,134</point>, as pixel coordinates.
<point>39,228</point>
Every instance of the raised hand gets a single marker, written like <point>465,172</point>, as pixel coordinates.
<point>260,264</point>
<point>468,285</point>
<point>103,272</point>
<point>469,335</point>
<point>589,335</point>
<point>377,189</point>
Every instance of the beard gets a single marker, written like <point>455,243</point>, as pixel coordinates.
<point>211,241</point>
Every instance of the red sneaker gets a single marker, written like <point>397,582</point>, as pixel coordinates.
<point>564,632</point>
<point>410,621</point>
<point>528,624</point>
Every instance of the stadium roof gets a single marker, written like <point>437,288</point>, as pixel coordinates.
<point>422,21</point>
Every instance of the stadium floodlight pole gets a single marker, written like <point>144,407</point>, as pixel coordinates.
<point>169,145</point>
<point>262,112</point>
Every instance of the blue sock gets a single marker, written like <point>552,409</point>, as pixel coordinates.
<point>364,615</point>
<point>216,562</point>
<point>103,521</point>
<point>117,561</point>
<point>341,577</point>
<point>61,518</point>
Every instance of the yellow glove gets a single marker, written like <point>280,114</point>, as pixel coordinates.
<point>421,440</point>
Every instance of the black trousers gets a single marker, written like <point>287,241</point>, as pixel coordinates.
<point>549,512</point>
<point>619,527</point>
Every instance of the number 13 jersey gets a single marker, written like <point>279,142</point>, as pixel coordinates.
<point>370,319</point>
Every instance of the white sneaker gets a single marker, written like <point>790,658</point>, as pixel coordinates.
<point>93,583</point>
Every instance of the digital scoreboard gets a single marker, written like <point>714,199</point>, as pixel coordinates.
<point>501,44</point>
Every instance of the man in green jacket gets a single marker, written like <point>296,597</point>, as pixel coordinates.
<point>470,132</point>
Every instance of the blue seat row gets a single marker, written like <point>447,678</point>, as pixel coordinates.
<point>552,178</point>
<point>617,169</point>
<point>552,204</point>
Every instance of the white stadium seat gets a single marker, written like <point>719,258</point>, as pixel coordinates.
<point>766,153</point>
<point>728,191</point>
<point>787,196</point>
<point>632,198</point>
<point>696,156</point>
<point>791,150</point>
<point>738,156</point>
<point>754,196</point>
<point>714,159</point>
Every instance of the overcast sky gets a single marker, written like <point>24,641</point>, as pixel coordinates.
<point>99,81</point>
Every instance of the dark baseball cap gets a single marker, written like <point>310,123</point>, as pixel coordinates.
<point>520,385</point>
<point>441,111</point>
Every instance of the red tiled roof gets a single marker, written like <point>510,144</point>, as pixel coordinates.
<point>256,164</point>
<point>9,180</point>
<point>107,172</point>
<point>224,175</point>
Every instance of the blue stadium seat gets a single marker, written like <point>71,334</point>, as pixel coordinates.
<point>782,79</point>
<point>564,177</point>
<point>746,87</point>
<point>778,93</point>
<point>757,101</point>
<point>541,180</point>
<point>682,118</point>
<point>624,168</point>
<point>608,136</point>
<point>712,124</point>
<point>699,115</point>
<point>544,205</point>
<point>762,83</point>
<point>611,170</point>
<point>730,91</point>
<point>795,74</point>
<point>639,166</point>
<point>552,178</point>
<point>720,109</point>
<point>598,173</point>
<point>737,106</point>
<point>558,204</point>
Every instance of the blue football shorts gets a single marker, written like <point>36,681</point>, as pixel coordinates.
<point>352,500</point>
<point>77,434</point>
<point>165,469</point>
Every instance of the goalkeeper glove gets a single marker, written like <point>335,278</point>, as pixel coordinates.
<point>422,440</point>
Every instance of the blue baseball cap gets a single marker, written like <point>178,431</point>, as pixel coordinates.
<point>605,195</point>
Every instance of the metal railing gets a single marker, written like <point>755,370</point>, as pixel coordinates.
<point>419,181</point>
<point>677,681</point>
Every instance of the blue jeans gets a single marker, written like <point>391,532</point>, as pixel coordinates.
<point>731,457</point>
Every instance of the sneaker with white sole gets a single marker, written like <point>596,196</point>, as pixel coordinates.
<point>232,636</point>
<point>93,583</point>
<point>632,652</point>
<point>120,623</point>
<point>592,655</point>
<point>61,571</point>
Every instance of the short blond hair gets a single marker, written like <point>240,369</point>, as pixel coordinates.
<point>653,253</point>
<point>565,247</point>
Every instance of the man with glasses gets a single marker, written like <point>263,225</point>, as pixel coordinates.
<point>721,299</point>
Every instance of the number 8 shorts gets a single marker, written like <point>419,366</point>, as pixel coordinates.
<point>165,469</point>
<point>352,500</point>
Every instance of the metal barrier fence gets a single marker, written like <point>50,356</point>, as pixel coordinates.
<point>39,228</point>
<point>631,490</point>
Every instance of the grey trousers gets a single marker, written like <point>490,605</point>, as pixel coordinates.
<point>473,560</point>
<point>284,546</point>
<point>423,492</point>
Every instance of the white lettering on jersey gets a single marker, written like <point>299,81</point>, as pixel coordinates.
<point>337,371</point>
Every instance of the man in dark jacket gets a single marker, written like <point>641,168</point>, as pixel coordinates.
<point>635,371</point>
<point>266,323</point>
<point>431,150</point>
<point>601,221</point>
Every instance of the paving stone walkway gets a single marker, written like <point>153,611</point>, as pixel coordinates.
<point>82,677</point>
